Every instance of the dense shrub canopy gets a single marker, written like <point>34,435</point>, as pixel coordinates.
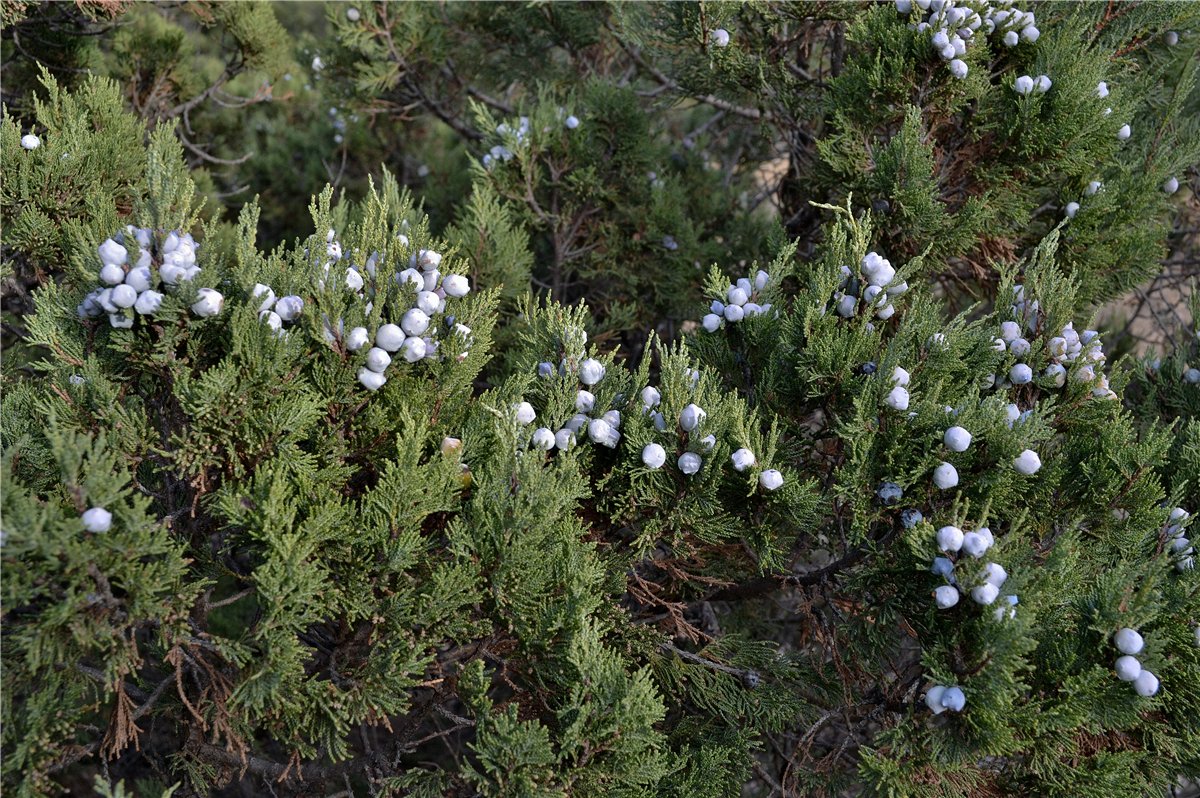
<point>696,399</point>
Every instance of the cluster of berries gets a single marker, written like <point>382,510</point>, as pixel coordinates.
<point>984,587</point>
<point>739,302</point>
<point>603,429</point>
<point>129,287</point>
<point>1181,547</point>
<point>875,285</point>
<point>519,137</point>
<point>416,337</point>
<point>952,26</point>
<point>1128,667</point>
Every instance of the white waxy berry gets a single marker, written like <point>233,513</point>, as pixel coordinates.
<point>264,291</point>
<point>742,459</point>
<point>271,319</point>
<point>945,476</point>
<point>761,278</point>
<point>427,259</point>
<point>1010,330</point>
<point>1056,373</point>
<point>289,308</point>
<point>900,376</point>
<point>1128,668</point>
<point>994,574</point>
<point>883,274</point>
<point>564,439</point>
<point>946,597</point>
<point>691,417</point>
<point>1019,347</point>
<point>1030,34</point>
<point>148,302</point>
<point>771,479</point>
<point>1041,84</point>
<point>414,349</point>
<point>985,534</point>
<point>591,371</point>
<point>1170,185</point>
<point>1123,133</point>
<point>456,285</point>
<point>719,37</point>
<point>571,122</point>
<point>1128,641</point>
<point>378,360</point>
<point>371,380</point>
<point>650,397</point>
<point>97,519</point>
<point>950,538</point>
<point>585,401</point>
<point>1102,90</point>
<point>847,306</point>
<point>709,442</point>
<point>543,439</point>
<point>954,699</point>
<point>613,417</point>
<point>974,544</point>
<point>414,321</point>
<point>711,322</point>
<point>737,296</point>
<point>1093,187</point>
<point>119,321</point>
<point>603,433</point>
<point>1023,85</point>
<point>897,398</point>
<point>389,337</point>
<point>1071,209</point>
<point>653,455</point>
<point>410,278</point>
<point>357,339</point>
<point>112,274</point>
<point>138,278</point>
<point>208,302</point>
<point>1146,684</point>
<point>1027,462</point>
<point>904,6</point>
<point>957,439</point>
<point>958,68</point>
<point>689,463</point>
<point>30,141</point>
<point>427,302</point>
<point>1020,374</point>
<point>105,300</point>
<point>1011,38</point>
<point>525,413</point>
<point>933,699</point>
<point>123,296</point>
<point>885,312</point>
<point>985,594</point>
<point>734,313</point>
<point>112,253</point>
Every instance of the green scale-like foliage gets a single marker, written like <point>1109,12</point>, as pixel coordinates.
<point>311,587</point>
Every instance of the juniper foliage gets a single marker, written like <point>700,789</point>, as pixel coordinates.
<point>309,584</point>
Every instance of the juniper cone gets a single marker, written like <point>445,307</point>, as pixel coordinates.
<point>580,399</point>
